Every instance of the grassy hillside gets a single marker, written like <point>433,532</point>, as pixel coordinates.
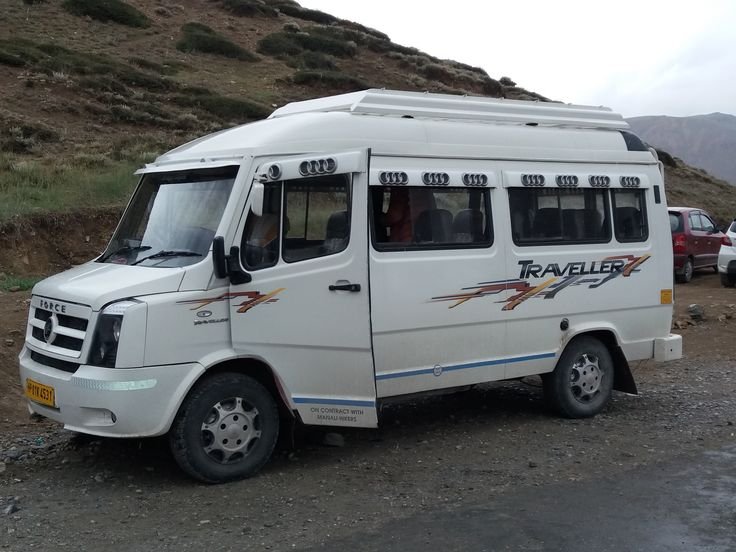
<point>90,89</point>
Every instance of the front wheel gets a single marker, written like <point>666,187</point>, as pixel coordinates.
<point>582,382</point>
<point>226,429</point>
<point>727,280</point>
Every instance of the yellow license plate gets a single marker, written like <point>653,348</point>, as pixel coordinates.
<point>40,393</point>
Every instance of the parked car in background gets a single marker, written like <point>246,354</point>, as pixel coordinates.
<point>696,241</point>
<point>727,257</point>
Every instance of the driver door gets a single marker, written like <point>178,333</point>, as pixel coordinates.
<point>306,310</point>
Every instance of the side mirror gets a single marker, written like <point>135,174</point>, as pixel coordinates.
<point>218,257</point>
<point>228,265</point>
<point>256,204</point>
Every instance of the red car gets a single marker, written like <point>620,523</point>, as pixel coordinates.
<point>696,241</point>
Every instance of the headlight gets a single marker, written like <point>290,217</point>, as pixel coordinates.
<point>104,350</point>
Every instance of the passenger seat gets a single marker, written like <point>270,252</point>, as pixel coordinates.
<point>433,226</point>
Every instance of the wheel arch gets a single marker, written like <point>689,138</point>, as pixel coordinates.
<point>258,370</point>
<point>623,379</point>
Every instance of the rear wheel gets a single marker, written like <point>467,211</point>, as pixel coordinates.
<point>687,272</point>
<point>226,429</point>
<point>582,382</point>
<point>727,280</point>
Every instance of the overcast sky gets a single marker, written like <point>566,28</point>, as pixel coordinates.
<point>637,57</point>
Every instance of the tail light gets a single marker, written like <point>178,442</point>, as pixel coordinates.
<point>679,243</point>
<point>725,240</point>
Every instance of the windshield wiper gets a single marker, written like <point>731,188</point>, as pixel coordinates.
<point>165,253</point>
<point>126,249</point>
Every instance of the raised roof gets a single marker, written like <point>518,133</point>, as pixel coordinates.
<point>461,108</point>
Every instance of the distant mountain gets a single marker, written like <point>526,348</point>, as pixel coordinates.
<point>706,141</point>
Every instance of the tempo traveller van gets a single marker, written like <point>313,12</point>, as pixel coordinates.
<point>354,249</point>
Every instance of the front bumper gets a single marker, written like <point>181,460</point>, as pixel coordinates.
<point>112,402</point>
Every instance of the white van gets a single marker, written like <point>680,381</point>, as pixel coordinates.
<point>353,249</point>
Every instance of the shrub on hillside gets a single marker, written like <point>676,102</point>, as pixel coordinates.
<point>330,79</point>
<point>201,38</point>
<point>505,81</point>
<point>105,11</point>
<point>312,60</point>
<point>230,109</point>
<point>279,44</point>
<point>18,52</point>
<point>306,14</point>
<point>249,8</point>
<point>291,44</point>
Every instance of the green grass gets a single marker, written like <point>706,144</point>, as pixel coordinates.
<point>32,186</point>
<point>106,11</point>
<point>8,282</point>
<point>201,38</point>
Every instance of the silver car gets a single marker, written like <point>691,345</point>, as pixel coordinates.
<point>727,257</point>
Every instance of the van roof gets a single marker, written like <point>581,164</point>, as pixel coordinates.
<point>411,123</point>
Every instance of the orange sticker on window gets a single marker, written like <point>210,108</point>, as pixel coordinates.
<point>665,297</point>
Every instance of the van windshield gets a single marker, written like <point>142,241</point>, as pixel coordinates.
<point>172,218</point>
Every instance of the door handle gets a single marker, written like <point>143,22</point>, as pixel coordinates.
<point>342,285</point>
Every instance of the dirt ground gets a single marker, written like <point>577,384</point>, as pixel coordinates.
<point>437,454</point>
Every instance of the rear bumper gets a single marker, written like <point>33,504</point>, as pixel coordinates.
<point>110,402</point>
<point>679,261</point>
<point>668,348</point>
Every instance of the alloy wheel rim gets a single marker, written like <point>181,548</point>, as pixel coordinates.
<point>585,378</point>
<point>230,430</point>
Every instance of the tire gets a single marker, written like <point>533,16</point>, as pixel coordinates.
<point>208,438</point>
<point>582,382</point>
<point>687,272</point>
<point>727,281</point>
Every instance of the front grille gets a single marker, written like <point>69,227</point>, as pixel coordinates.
<point>63,365</point>
<point>69,328</point>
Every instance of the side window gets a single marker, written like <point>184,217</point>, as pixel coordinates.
<point>558,216</point>
<point>430,217</point>
<point>316,217</point>
<point>630,215</point>
<point>695,223</point>
<point>707,224</point>
<point>260,245</point>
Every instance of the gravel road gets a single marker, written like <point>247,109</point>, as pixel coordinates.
<point>433,457</point>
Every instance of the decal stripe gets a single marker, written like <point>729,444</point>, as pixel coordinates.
<point>347,402</point>
<point>481,364</point>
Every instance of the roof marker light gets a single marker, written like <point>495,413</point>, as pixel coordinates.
<point>532,179</point>
<point>475,179</point>
<point>630,181</point>
<point>393,177</point>
<point>566,180</point>
<point>314,167</point>
<point>274,172</point>
<point>599,181</point>
<point>436,178</point>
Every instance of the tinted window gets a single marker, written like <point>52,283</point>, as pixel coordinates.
<point>629,215</point>
<point>551,216</point>
<point>733,227</point>
<point>316,217</point>
<point>428,217</point>
<point>676,222</point>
